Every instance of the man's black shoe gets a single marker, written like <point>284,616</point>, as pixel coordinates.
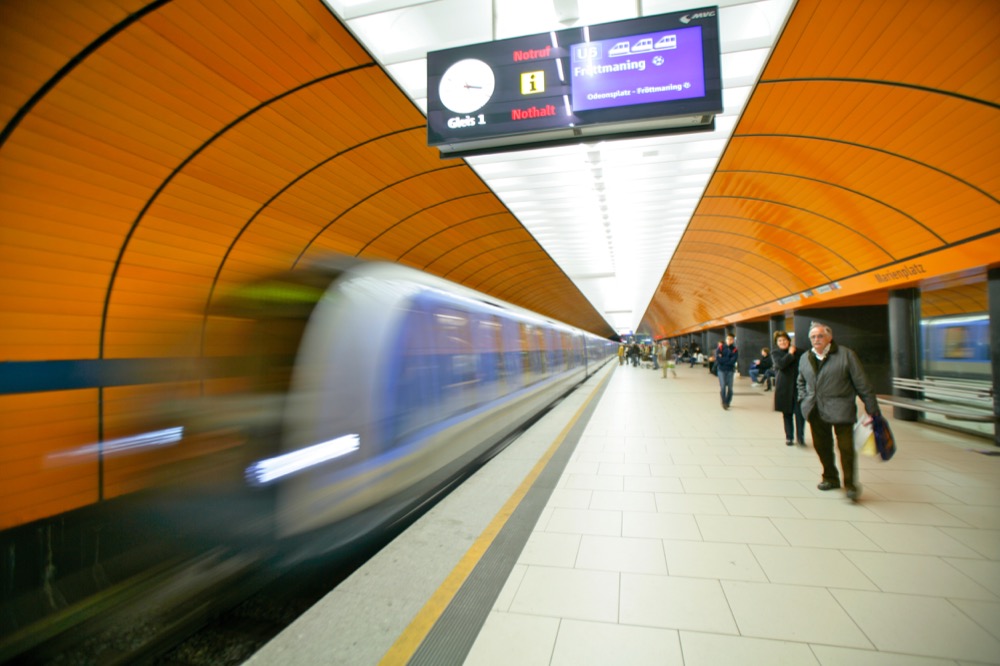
<point>828,485</point>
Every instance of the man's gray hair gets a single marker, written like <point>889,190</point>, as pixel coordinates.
<point>816,324</point>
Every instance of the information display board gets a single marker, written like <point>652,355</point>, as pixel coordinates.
<point>652,74</point>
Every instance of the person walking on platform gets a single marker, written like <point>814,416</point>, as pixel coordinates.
<point>621,353</point>
<point>666,358</point>
<point>726,356</point>
<point>785,362</point>
<point>830,377</point>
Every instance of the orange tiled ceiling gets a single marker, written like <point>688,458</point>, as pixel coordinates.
<point>155,152</point>
<point>872,138</point>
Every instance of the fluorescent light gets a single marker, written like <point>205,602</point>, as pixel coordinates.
<point>146,440</point>
<point>268,470</point>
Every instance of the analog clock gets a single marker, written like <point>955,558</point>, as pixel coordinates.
<point>467,85</point>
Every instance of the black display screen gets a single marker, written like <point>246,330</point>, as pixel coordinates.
<point>628,76</point>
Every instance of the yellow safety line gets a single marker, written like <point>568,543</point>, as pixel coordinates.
<point>406,645</point>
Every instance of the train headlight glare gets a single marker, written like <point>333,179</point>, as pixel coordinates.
<point>270,469</point>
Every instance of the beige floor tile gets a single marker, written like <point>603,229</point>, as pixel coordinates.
<point>578,468</point>
<point>569,498</point>
<point>899,492</point>
<point>776,488</point>
<point>659,455</point>
<point>623,469</point>
<point>597,456</point>
<point>551,549</point>
<point>913,513</point>
<point>984,572</point>
<point>985,613</point>
<point>653,484</point>
<point>622,554</point>
<point>568,593</point>
<point>695,459</point>
<point>506,595</point>
<point>792,613</point>
<point>623,501</point>
<point>660,526</point>
<point>823,534</point>
<point>585,521</point>
<point>675,603</point>
<point>765,507</point>
<point>713,486</point>
<point>919,625</point>
<point>983,496</point>
<point>918,574</point>
<point>677,471</point>
<point>596,644</point>
<point>792,473</point>
<point>914,539</point>
<point>694,504</point>
<point>509,638</point>
<point>729,471</point>
<point>593,482</point>
<point>833,505</point>
<point>715,650</point>
<point>819,567</point>
<point>984,542</point>
<point>739,529</point>
<point>829,655</point>
<point>984,517</point>
<point>724,561</point>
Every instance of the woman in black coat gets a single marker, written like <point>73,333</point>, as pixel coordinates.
<point>785,362</point>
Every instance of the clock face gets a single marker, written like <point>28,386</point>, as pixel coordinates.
<point>467,85</point>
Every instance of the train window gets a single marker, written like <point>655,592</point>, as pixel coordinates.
<point>456,359</point>
<point>418,384</point>
<point>533,345</point>
<point>492,370</point>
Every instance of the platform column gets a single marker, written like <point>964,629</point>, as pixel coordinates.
<point>904,321</point>
<point>777,324</point>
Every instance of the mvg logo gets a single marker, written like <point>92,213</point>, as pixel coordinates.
<point>687,18</point>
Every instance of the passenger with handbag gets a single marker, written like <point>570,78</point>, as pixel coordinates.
<point>830,378</point>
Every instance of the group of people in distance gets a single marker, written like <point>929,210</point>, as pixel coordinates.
<point>818,386</point>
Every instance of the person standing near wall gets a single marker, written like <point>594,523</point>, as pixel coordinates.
<point>830,378</point>
<point>726,356</point>
<point>786,359</point>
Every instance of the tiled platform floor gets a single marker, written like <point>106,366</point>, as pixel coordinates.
<point>684,534</point>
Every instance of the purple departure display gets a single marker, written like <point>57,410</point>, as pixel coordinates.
<point>646,75</point>
<point>639,69</point>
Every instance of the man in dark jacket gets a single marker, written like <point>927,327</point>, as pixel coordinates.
<point>830,377</point>
<point>725,364</point>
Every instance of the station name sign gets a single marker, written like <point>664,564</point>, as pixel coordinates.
<point>652,74</point>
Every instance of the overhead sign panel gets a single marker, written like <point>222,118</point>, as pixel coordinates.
<point>652,74</point>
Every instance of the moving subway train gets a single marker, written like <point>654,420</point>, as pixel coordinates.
<point>325,404</point>
<point>367,386</point>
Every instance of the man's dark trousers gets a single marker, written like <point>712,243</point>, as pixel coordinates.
<point>822,433</point>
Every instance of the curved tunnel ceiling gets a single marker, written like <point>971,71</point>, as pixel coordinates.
<point>154,153</point>
<point>870,143</point>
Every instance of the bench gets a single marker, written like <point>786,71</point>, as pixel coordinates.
<point>958,399</point>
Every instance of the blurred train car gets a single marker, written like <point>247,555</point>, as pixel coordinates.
<point>324,404</point>
<point>368,387</point>
<point>957,347</point>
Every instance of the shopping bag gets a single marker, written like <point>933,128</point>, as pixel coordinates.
<point>864,438</point>
<point>885,442</point>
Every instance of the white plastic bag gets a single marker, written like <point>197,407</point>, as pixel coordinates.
<point>864,438</point>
